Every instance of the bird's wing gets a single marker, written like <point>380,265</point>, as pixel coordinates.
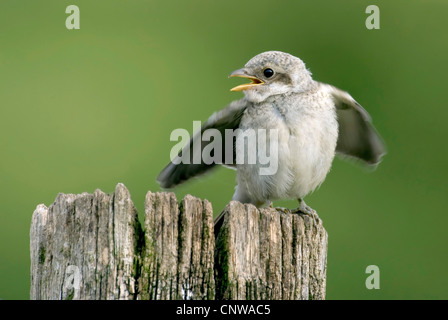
<point>357,136</point>
<point>227,118</point>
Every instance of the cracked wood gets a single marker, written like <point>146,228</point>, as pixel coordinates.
<point>92,246</point>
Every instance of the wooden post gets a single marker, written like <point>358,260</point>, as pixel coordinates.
<point>92,246</point>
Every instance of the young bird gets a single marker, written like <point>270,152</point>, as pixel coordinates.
<point>313,121</point>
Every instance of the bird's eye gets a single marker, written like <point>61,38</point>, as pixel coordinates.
<point>268,72</point>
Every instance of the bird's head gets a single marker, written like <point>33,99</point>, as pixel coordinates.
<point>272,73</point>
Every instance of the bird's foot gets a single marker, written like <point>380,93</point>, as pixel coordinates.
<point>303,208</point>
<point>283,210</point>
<point>271,204</point>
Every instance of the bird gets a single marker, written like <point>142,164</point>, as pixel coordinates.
<point>314,122</point>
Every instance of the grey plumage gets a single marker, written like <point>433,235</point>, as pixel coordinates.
<point>357,136</point>
<point>314,121</point>
<point>228,118</point>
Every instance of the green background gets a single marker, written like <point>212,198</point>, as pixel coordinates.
<point>86,109</point>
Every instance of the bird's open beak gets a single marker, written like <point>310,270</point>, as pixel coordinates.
<point>242,73</point>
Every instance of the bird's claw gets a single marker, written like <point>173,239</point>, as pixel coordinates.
<point>305,209</point>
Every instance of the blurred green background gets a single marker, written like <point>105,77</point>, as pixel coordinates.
<point>86,109</point>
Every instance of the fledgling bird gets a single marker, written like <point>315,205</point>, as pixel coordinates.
<point>314,121</point>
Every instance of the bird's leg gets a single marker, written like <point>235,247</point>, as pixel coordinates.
<point>304,208</point>
<point>278,209</point>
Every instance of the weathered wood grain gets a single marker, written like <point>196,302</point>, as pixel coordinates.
<point>177,255</point>
<point>84,247</point>
<point>92,246</point>
<point>270,254</point>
